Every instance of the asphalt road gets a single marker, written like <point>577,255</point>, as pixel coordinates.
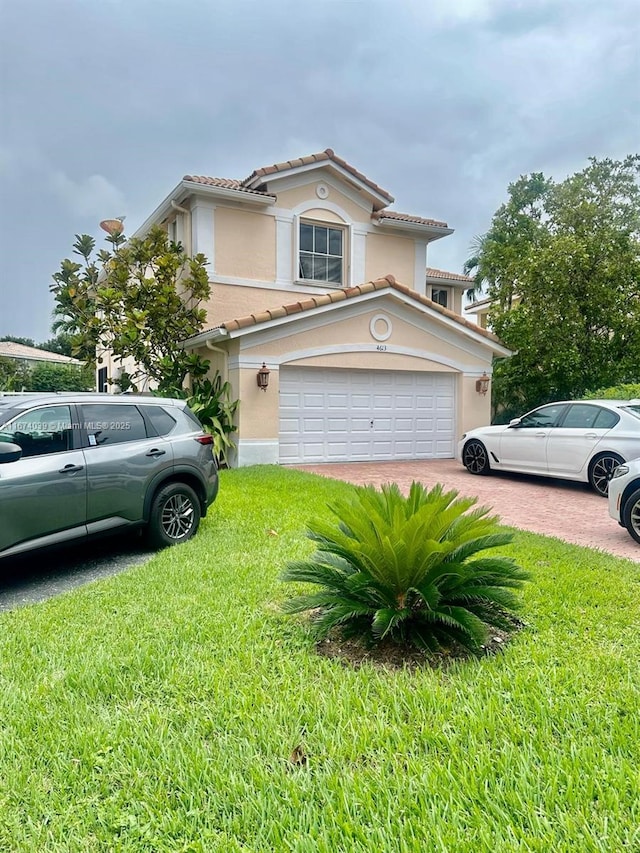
<point>36,577</point>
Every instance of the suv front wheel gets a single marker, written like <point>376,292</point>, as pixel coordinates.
<point>175,515</point>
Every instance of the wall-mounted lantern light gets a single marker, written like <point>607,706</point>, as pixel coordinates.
<point>482,384</point>
<point>263,377</point>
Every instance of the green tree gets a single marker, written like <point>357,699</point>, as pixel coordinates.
<point>141,299</point>
<point>14,375</point>
<point>61,344</point>
<point>60,377</point>
<point>28,342</point>
<point>561,264</point>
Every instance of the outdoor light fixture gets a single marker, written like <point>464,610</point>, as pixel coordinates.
<point>263,377</point>
<point>482,384</point>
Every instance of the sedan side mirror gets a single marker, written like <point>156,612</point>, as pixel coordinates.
<point>9,452</point>
<point>515,422</point>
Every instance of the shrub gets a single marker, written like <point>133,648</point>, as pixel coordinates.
<point>61,377</point>
<point>13,374</point>
<point>406,569</point>
<point>211,401</point>
<point>629,391</point>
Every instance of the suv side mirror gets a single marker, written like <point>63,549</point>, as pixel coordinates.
<point>9,452</point>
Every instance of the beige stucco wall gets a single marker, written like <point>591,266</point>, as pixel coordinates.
<point>245,244</point>
<point>474,409</point>
<point>364,361</point>
<point>457,300</point>
<point>259,417</point>
<point>258,414</point>
<point>386,253</point>
<point>333,332</point>
<point>323,215</point>
<point>229,302</point>
<point>296,196</point>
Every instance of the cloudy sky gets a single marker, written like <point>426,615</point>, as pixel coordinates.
<point>106,104</point>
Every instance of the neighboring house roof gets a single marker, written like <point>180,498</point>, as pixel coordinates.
<point>10,349</point>
<point>452,276</point>
<point>255,178</point>
<point>478,304</point>
<point>312,302</point>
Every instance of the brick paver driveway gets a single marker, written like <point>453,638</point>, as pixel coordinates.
<point>567,510</point>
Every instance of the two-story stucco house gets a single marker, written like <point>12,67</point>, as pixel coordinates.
<point>312,274</point>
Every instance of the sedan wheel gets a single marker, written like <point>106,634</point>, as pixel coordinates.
<point>601,470</point>
<point>631,515</point>
<point>474,457</point>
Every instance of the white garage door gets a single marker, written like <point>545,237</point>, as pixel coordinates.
<point>333,415</point>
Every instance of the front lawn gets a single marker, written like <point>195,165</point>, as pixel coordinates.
<point>174,708</point>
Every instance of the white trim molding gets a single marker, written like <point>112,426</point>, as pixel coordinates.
<point>256,451</point>
<point>203,231</point>
<point>419,280</point>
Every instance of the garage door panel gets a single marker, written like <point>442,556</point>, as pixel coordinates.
<point>424,448</point>
<point>333,414</point>
<point>337,401</point>
<point>312,401</point>
<point>337,449</point>
<point>290,426</point>
<point>311,425</point>
<point>361,401</point>
<point>360,424</point>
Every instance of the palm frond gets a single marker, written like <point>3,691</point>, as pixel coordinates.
<point>406,568</point>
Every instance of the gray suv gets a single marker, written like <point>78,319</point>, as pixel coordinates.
<point>76,465</point>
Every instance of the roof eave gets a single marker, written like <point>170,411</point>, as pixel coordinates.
<point>188,188</point>
<point>432,232</point>
<point>217,334</point>
<point>196,188</point>
<point>441,315</point>
<point>454,282</point>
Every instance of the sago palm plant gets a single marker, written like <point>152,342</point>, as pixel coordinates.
<point>408,569</point>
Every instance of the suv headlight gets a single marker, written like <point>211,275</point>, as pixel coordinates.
<point>620,471</point>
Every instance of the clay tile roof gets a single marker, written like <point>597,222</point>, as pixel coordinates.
<point>434,273</point>
<point>406,217</point>
<point>349,293</point>
<point>321,156</point>
<point>224,183</point>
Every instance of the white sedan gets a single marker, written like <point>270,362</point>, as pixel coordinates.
<point>624,497</point>
<point>584,441</point>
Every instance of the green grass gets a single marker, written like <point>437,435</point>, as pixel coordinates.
<point>157,710</point>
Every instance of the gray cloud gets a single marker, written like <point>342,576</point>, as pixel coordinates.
<point>105,105</point>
